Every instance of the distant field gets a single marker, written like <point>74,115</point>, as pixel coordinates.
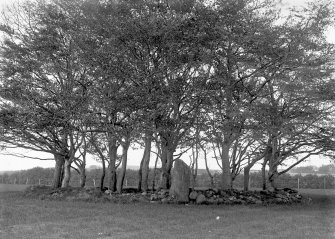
<point>29,218</point>
<point>12,187</point>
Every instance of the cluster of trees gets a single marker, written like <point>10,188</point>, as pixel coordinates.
<point>43,176</point>
<point>233,80</point>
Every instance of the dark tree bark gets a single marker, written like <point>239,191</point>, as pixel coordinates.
<point>67,173</point>
<point>112,163</point>
<point>139,185</point>
<point>155,168</point>
<point>273,176</point>
<point>226,181</point>
<point>82,177</point>
<point>143,172</point>
<point>264,187</point>
<point>246,178</point>
<point>103,173</point>
<point>122,174</point>
<point>207,168</point>
<point>167,162</point>
<point>58,173</point>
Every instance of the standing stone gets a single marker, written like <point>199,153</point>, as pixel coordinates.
<point>180,181</point>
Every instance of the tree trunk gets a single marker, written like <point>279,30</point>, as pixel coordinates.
<point>167,161</point>
<point>82,177</point>
<point>264,187</point>
<point>273,176</point>
<point>139,185</point>
<point>226,174</point>
<point>273,168</point>
<point>246,178</point>
<point>103,173</point>
<point>67,173</point>
<point>122,174</point>
<point>155,169</point>
<point>58,173</point>
<point>144,169</point>
<point>112,164</point>
<point>207,168</point>
<point>194,166</point>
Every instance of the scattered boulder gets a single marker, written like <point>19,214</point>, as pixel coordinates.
<point>201,199</point>
<point>180,181</point>
<point>193,195</point>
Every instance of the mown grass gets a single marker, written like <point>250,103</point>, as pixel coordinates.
<point>30,218</point>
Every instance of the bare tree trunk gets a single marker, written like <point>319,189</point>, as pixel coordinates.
<point>58,173</point>
<point>103,173</point>
<point>273,166</point>
<point>67,173</point>
<point>194,171</point>
<point>155,168</point>
<point>207,168</point>
<point>143,172</point>
<point>246,178</point>
<point>122,174</point>
<point>226,174</point>
<point>167,161</point>
<point>82,177</point>
<point>264,187</point>
<point>139,184</point>
<point>194,167</point>
<point>112,163</point>
<point>273,176</point>
<point>146,157</point>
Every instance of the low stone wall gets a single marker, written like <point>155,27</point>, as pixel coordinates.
<point>209,196</point>
<point>233,196</point>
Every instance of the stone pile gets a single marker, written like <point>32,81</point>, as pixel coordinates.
<point>208,196</point>
<point>233,196</point>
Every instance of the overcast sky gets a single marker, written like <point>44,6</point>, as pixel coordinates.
<point>16,163</point>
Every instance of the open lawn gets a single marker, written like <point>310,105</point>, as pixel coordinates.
<point>12,187</point>
<point>31,218</point>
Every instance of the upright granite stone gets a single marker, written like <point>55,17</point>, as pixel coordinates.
<point>180,181</point>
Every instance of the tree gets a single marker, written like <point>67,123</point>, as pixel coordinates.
<point>238,36</point>
<point>43,83</point>
<point>151,36</point>
<point>293,109</point>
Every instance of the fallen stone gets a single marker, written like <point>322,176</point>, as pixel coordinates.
<point>201,199</point>
<point>211,201</point>
<point>193,195</point>
<point>224,194</point>
<point>209,193</point>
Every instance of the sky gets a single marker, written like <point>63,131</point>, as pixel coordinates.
<point>9,163</point>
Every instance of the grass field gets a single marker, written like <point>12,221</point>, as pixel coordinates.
<point>12,187</point>
<point>30,218</point>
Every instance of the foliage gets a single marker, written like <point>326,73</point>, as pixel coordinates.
<point>236,77</point>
